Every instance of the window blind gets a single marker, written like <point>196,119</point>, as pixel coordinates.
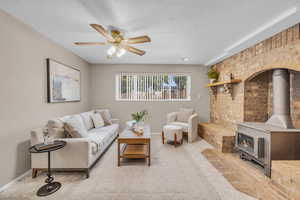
<point>153,87</point>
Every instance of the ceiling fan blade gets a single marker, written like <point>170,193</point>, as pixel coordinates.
<point>89,43</point>
<point>102,31</point>
<point>134,50</point>
<point>141,39</point>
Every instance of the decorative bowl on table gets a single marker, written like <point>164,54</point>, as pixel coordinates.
<point>138,130</point>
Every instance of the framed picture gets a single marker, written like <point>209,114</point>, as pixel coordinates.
<point>63,82</point>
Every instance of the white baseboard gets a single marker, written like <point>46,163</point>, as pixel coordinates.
<point>14,181</point>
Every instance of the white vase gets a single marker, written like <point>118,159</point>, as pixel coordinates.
<point>140,125</point>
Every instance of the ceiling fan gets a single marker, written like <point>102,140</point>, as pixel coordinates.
<point>119,45</point>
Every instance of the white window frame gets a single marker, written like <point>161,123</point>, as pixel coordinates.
<point>144,86</point>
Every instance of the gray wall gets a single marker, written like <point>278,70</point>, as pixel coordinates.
<point>103,92</point>
<point>23,105</point>
<point>23,86</point>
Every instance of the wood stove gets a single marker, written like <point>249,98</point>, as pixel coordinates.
<point>251,143</point>
<point>276,139</point>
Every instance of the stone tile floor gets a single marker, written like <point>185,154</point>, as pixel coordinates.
<point>246,176</point>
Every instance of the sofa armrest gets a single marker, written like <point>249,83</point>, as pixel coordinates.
<point>76,154</point>
<point>171,117</point>
<point>115,121</point>
<point>193,127</point>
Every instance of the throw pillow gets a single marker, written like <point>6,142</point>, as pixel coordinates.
<point>75,128</point>
<point>55,123</point>
<point>98,120</point>
<point>184,114</point>
<point>106,116</point>
<point>87,119</point>
<point>56,132</point>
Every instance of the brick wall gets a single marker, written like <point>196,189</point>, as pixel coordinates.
<point>256,98</point>
<point>279,51</point>
<point>295,91</point>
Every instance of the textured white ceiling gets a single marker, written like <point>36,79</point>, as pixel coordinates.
<point>203,30</point>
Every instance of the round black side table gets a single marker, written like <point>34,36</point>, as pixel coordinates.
<point>51,186</point>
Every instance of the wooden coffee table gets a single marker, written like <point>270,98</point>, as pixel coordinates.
<point>132,145</point>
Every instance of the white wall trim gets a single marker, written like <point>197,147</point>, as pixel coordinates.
<point>216,59</point>
<point>264,27</point>
<point>255,36</point>
<point>14,180</point>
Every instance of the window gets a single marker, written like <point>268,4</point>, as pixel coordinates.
<point>153,87</point>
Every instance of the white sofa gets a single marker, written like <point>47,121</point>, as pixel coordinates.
<point>189,126</point>
<point>79,154</point>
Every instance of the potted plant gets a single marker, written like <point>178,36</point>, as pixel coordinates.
<point>213,75</point>
<point>139,117</point>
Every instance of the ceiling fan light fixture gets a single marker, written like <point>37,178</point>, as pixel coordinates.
<point>120,52</point>
<point>115,37</point>
<point>111,51</point>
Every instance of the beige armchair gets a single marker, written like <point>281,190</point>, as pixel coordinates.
<point>188,120</point>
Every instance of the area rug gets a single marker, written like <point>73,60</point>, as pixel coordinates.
<point>180,173</point>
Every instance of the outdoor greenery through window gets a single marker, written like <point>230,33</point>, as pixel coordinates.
<point>153,87</point>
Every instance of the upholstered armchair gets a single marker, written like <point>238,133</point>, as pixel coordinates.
<point>188,120</point>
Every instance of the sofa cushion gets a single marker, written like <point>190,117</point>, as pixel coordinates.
<point>183,125</point>
<point>105,115</point>
<point>98,120</point>
<point>111,129</point>
<point>75,127</point>
<point>100,137</point>
<point>87,119</point>
<point>100,140</point>
<point>65,118</point>
<point>97,141</point>
<point>184,114</point>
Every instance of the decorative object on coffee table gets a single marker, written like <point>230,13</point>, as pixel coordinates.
<point>131,145</point>
<point>138,130</point>
<point>51,186</point>
<point>139,118</point>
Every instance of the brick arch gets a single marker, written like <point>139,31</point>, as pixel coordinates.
<point>258,70</point>
<point>259,79</point>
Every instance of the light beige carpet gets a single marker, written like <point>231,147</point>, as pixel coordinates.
<point>181,173</point>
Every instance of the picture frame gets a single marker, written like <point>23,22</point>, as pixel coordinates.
<point>63,82</point>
